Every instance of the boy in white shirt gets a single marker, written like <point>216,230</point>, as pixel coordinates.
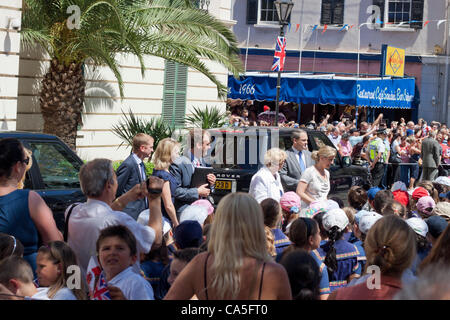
<point>117,252</point>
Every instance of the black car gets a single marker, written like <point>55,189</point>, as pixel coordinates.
<point>236,154</point>
<point>54,173</point>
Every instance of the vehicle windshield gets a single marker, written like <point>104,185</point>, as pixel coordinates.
<point>58,168</point>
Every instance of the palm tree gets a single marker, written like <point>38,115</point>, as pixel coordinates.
<point>171,29</point>
<point>207,118</point>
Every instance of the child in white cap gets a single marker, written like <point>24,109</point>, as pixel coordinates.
<point>340,256</point>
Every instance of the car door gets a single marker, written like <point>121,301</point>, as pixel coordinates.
<point>54,175</point>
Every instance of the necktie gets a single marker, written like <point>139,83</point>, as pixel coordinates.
<point>302,164</point>
<point>143,175</point>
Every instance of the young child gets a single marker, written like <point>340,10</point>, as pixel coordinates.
<point>117,252</point>
<point>16,280</point>
<point>54,269</point>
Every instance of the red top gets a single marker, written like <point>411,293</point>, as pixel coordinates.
<point>388,289</point>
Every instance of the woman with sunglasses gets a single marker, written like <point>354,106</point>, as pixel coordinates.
<point>23,213</point>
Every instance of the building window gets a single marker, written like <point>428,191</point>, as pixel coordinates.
<point>268,12</point>
<point>397,11</point>
<point>174,94</point>
<point>332,12</point>
<point>262,11</point>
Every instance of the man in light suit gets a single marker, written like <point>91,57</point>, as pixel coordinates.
<point>298,159</point>
<point>132,172</point>
<point>431,157</point>
<point>199,142</point>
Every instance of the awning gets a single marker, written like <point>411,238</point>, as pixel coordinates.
<point>325,89</point>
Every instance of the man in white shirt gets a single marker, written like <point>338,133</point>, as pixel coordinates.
<point>334,136</point>
<point>99,184</point>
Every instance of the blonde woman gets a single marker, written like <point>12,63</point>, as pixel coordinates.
<point>266,183</point>
<point>314,184</point>
<point>237,264</point>
<point>165,154</point>
<point>28,153</point>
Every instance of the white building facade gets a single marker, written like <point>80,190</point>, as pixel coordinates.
<point>146,97</point>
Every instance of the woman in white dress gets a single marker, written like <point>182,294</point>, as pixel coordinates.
<point>314,183</point>
<point>266,183</point>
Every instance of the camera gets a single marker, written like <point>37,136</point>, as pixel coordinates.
<point>15,23</point>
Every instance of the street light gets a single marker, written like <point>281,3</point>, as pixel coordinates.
<point>284,8</point>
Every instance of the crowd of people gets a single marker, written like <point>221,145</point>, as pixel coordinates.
<point>140,237</point>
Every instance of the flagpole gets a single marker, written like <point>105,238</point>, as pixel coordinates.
<point>277,107</point>
<point>246,51</point>
<point>301,50</point>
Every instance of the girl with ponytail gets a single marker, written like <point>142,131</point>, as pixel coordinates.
<point>390,248</point>
<point>340,256</point>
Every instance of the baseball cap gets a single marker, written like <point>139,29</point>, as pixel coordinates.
<point>402,197</point>
<point>426,205</point>
<point>188,234</point>
<point>353,130</point>
<point>372,192</point>
<point>418,225</point>
<point>359,214</point>
<point>335,218</point>
<point>290,201</point>
<point>145,215</point>
<point>419,192</point>
<point>266,108</point>
<point>196,213</point>
<point>442,209</point>
<point>445,195</point>
<point>443,180</point>
<point>399,185</point>
<point>436,225</point>
<point>204,203</point>
<point>381,131</point>
<point>368,220</point>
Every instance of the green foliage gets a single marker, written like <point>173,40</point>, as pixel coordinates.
<point>131,125</point>
<point>210,117</point>
<point>171,29</point>
<point>148,167</point>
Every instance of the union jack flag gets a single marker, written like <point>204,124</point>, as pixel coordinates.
<point>280,54</point>
<point>98,288</point>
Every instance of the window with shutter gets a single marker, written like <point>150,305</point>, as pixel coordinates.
<point>174,95</point>
<point>332,12</point>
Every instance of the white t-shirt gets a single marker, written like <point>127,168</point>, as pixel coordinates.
<point>133,285</point>
<point>41,294</point>
<point>64,294</point>
<point>318,188</point>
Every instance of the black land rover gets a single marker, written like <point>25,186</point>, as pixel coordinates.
<point>237,154</point>
<point>54,173</point>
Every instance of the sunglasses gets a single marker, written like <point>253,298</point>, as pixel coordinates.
<point>26,161</point>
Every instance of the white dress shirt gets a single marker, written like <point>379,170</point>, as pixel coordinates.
<point>89,218</point>
<point>132,285</point>
<point>139,161</point>
<point>265,185</point>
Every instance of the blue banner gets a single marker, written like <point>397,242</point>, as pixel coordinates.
<point>389,93</point>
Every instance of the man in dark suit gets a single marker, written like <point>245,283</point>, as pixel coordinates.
<point>431,156</point>
<point>132,172</point>
<point>183,168</point>
<point>298,159</point>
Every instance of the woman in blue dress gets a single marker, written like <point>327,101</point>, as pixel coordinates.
<point>23,213</point>
<point>165,154</point>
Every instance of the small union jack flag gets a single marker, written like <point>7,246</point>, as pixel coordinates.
<point>280,54</point>
<point>98,288</point>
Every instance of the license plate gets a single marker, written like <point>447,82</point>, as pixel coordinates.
<point>223,185</point>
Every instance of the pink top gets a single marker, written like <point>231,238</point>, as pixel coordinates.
<point>345,148</point>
